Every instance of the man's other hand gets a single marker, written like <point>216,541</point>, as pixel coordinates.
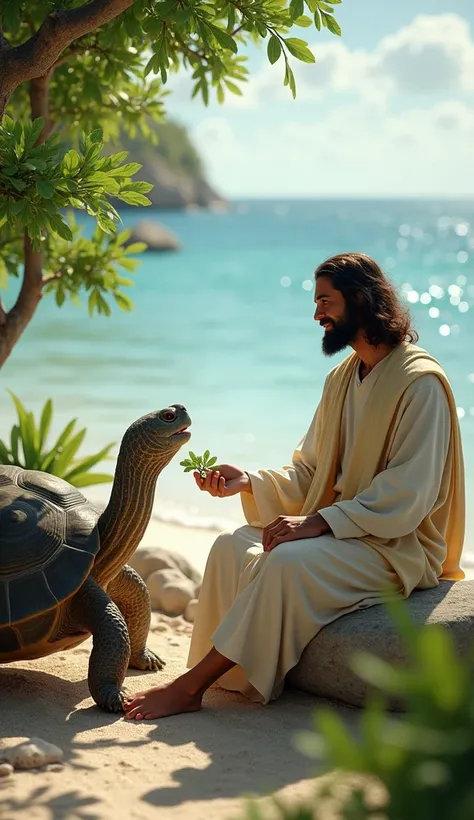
<point>291,528</point>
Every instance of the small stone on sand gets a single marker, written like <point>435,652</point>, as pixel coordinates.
<point>32,754</point>
<point>6,769</point>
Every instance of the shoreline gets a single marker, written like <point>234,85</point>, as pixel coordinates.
<point>192,535</point>
<point>194,542</point>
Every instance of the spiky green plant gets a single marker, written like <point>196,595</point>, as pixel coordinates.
<point>28,448</point>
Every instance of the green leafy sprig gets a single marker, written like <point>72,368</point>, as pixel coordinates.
<point>202,463</point>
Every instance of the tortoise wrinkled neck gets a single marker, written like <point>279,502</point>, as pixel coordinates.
<point>124,521</point>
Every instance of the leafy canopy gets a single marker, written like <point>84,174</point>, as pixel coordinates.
<point>105,89</point>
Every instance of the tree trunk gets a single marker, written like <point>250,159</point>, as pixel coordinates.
<point>39,103</point>
<point>34,61</point>
<point>16,320</point>
<point>13,323</point>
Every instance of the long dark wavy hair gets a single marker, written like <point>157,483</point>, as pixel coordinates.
<point>371,297</point>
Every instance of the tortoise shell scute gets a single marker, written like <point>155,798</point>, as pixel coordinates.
<point>48,541</point>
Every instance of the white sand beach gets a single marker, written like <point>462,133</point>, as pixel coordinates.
<point>190,766</point>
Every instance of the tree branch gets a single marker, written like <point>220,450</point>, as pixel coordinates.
<point>36,56</point>
<point>39,102</point>
<point>51,278</point>
<point>73,52</point>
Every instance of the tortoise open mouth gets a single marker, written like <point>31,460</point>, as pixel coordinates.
<point>182,431</point>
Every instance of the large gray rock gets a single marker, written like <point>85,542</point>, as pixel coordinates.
<point>150,559</point>
<point>324,669</point>
<point>156,236</point>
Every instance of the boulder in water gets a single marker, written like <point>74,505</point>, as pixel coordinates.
<point>156,236</point>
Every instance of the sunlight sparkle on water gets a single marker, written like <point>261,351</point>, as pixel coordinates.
<point>462,229</point>
<point>444,330</point>
<point>434,312</point>
<point>463,307</point>
<point>461,412</point>
<point>461,280</point>
<point>404,230</point>
<point>413,297</point>
<point>285,281</point>
<point>436,291</point>
<point>425,298</point>
<point>307,284</point>
<point>462,257</point>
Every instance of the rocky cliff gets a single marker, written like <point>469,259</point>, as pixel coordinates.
<point>174,167</point>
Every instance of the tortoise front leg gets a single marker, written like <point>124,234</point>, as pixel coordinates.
<point>130,593</point>
<point>93,610</point>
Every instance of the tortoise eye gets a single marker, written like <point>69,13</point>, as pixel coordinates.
<point>168,415</point>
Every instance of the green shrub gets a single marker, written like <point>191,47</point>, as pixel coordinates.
<point>28,448</point>
<point>424,759</point>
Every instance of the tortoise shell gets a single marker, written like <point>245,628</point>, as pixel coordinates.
<point>48,541</point>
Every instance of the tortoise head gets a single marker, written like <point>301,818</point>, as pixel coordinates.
<point>158,436</point>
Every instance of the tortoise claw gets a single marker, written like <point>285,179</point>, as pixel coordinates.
<point>111,699</point>
<point>147,661</point>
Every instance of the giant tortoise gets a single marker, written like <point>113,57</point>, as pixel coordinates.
<point>63,565</point>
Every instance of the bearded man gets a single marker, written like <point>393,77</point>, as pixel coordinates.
<point>372,502</point>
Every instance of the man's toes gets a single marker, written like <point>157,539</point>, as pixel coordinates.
<point>134,699</point>
<point>134,713</point>
<point>134,703</point>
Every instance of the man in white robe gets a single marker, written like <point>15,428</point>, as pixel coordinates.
<point>372,501</point>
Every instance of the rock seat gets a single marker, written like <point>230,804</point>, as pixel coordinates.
<point>324,670</point>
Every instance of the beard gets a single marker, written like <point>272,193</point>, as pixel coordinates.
<point>341,335</point>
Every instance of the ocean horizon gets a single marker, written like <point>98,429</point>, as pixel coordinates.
<point>225,326</point>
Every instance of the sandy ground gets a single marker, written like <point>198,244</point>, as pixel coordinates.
<point>191,766</point>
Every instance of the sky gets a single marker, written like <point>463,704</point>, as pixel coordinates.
<point>386,110</point>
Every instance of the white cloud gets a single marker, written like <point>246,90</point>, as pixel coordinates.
<point>350,151</point>
<point>391,121</point>
<point>432,54</point>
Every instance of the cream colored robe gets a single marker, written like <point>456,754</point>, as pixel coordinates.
<point>382,462</point>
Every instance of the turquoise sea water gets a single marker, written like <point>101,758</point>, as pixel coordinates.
<point>226,327</point>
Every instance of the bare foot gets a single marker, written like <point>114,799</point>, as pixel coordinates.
<point>161,701</point>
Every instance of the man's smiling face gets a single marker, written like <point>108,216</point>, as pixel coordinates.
<point>340,329</point>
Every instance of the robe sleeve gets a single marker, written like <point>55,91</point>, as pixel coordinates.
<point>284,491</point>
<point>402,495</point>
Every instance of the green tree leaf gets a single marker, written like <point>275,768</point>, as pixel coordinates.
<point>299,49</point>
<point>273,49</point>
<point>296,9</point>
<point>331,24</point>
